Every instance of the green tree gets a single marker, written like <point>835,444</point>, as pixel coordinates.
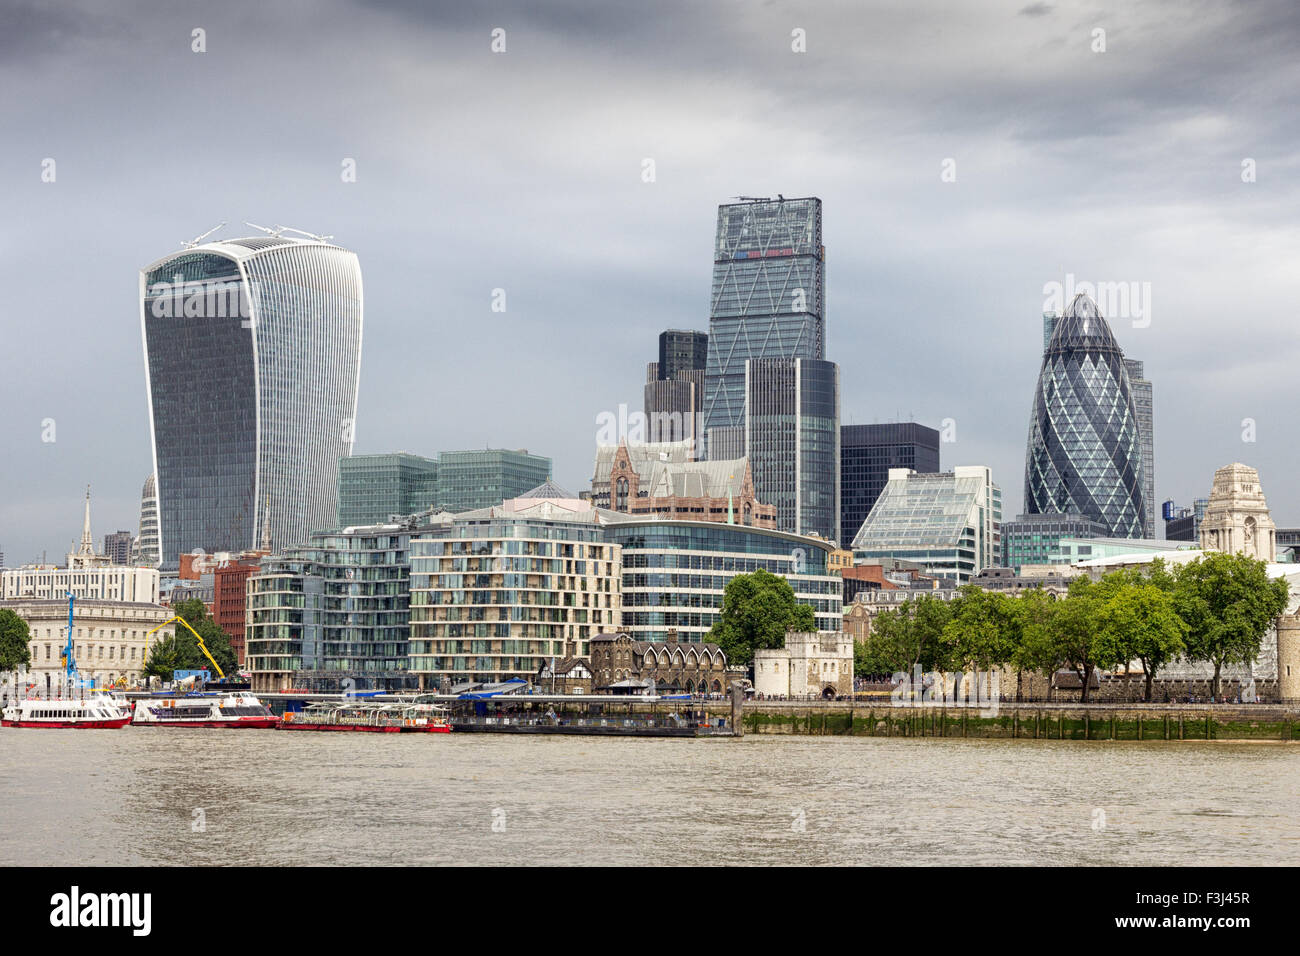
<point>164,658</point>
<point>757,610</point>
<point>1065,634</point>
<point>1139,621</point>
<point>1228,602</point>
<point>983,629</point>
<point>15,651</point>
<point>910,636</point>
<point>216,640</point>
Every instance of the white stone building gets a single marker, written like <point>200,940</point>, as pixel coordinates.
<point>812,664</point>
<point>110,638</point>
<point>1237,519</point>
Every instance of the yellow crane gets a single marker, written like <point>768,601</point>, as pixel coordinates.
<point>203,647</point>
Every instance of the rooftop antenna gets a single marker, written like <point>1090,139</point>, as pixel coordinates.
<point>309,235</point>
<point>197,239</point>
<point>270,232</point>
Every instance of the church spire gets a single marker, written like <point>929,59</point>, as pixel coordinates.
<point>87,542</point>
<point>266,525</point>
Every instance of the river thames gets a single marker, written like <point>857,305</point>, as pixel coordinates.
<point>202,797</point>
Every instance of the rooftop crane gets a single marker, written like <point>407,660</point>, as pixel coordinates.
<point>273,232</point>
<point>309,235</point>
<point>197,239</point>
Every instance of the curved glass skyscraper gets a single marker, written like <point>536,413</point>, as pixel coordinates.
<point>1084,454</point>
<point>252,360</point>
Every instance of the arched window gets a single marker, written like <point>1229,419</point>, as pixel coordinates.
<point>621,495</point>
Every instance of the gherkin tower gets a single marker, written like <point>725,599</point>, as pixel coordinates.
<point>1084,454</point>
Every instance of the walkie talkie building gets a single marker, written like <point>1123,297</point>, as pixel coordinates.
<point>1084,454</point>
<point>252,361</point>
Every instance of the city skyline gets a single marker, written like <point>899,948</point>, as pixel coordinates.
<point>916,264</point>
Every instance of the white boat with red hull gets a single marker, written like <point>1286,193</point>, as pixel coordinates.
<point>96,712</point>
<point>229,710</point>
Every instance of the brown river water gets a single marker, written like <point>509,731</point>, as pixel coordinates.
<point>146,796</point>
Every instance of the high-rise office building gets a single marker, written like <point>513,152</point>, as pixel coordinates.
<point>867,452</point>
<point>144,551</point>
<point>373,488</point>
<point>252,360</point>
<point>681,350</point>
<point>1084,452</point>
<point>672,407</point>
<point>117,547</point>
<point>674,389</point>
<point>767,303</point>
<point>481,478</point>
<point>792,437</point>
<point>949,524</point>
<point>1143,407</point>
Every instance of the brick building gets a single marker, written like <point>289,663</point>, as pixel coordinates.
<point>690,490</point>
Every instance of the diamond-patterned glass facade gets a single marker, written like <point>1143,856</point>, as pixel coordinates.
<point>1084,454</point>
<point>768,283</point>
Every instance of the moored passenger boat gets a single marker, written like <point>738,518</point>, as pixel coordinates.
<point>369,718</point>
<point>96,712</point>
<point>204,710</point>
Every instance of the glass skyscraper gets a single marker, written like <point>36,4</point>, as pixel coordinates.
<point>1084,454</point>
<point>867,452</point>
<point>252,359</point>
<point>792,438</point>
<point>767,302</point>
<point>1143,406</point>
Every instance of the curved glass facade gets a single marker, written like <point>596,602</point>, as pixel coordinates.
<point>1084,453</point>
<point>675,574</point>
<point>252,356</point>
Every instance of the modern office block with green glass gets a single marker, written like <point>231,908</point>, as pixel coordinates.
<point>373,488</point>
<point>468,480</point>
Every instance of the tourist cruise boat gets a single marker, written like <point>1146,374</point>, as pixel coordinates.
<point>96,712</point>
<point>369,718</point>
<point>203,710</point>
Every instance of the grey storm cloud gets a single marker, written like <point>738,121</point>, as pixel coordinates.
<point>522,171</point>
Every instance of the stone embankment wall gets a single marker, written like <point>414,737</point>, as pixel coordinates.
<point>1258,722</point>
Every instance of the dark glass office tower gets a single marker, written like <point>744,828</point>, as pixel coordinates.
<point>767,303</point>
<point>681,350</point>
<point>792,438</point>
<point>1084,453</point>
<point>252,356</point>
<point>867,452</point>
<point>674,389</point>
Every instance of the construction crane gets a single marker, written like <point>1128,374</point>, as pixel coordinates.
<point>197,239</point>
<point>273,232</point>
<point>69,659</point>
<point>309,235</point>
<point>753,198</point>
<point>203,647</point>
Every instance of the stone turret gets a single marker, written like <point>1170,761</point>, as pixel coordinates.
<point>1237,518</point>
<point>1288,657</point>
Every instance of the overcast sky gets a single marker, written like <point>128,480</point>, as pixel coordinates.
<point>522,171</point>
